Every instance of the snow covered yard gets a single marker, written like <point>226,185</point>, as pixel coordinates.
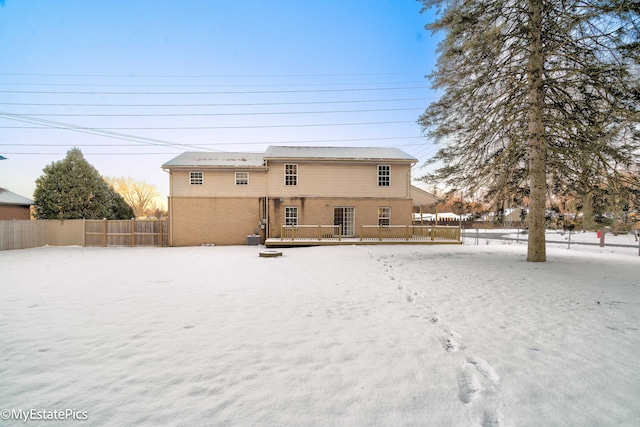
<point>356,335</point>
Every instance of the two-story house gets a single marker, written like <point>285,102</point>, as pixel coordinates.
<point>220,198</point>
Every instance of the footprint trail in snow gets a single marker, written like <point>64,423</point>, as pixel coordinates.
<point>478,382</point>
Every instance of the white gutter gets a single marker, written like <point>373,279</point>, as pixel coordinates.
<point>170,206</point>
<point>266,212</point>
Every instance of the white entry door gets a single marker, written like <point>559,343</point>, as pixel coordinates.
<point>346,218</point>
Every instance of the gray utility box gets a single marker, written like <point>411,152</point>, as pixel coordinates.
<point>253,240</point>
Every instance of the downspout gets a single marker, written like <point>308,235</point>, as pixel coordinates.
<point>267,208</point>
<point>170,206</point>
<point>408,195</point>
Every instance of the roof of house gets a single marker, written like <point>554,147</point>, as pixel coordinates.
<point>216,159</point>
<point>248,160</point>
<point>337,153</point>
<point>9,198</point>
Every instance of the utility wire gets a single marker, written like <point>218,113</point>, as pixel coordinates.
<point>187,76</point>
<point>212,92</point>
<point>203,85</point>
<point>112,153</point>
<point>316,141</point>
<point>94,131</point>
<point>268,113</point>
<point>46,126</point>
<point>248,104</point>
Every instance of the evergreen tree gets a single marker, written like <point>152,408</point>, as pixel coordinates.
<point>534,90</point>
<point>73,189</point>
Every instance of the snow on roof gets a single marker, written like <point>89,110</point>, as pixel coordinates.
<point>9,198</point>
<point>230,159</point>
<point>337,153</point>
<point>218,159</point>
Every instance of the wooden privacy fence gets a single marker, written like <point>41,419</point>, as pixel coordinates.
<point>126,233</point>
<point>23,234</point>
<point>17,234</point>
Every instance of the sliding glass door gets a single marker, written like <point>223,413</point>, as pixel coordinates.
<point>346,218</point>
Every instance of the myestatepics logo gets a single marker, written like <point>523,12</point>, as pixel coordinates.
<point>25,415</point>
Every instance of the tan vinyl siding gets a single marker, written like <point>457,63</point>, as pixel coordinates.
<point>218,183</point>
<point>339,179</point>
<point>320,211</point>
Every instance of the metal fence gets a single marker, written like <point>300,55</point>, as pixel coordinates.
<point>602,240</point>
<point>409,233</point>
<point>18,234</point>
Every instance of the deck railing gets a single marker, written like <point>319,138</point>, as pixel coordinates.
<point>371,233</point>
<point>311,232</point>
<point>409,233</point>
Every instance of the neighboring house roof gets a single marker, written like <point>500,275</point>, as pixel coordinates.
<point>421,197</point>
<point>337,153</point>
<point>216,159</point>
<point>9,198</point>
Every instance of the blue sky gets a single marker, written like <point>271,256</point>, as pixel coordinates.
<point>144,80</point>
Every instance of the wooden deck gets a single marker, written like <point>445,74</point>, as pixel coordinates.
<point>322,235</point>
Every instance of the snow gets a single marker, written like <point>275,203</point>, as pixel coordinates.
<point>456,335</point>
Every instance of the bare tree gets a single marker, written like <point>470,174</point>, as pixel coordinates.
<point>140,195</point>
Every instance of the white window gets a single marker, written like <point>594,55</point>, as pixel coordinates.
<point>290,174</point>
<point>196,178</point>
<point>242,178</point>
<point>384,175</point>
<point>384,216</point>
<point>290,215</point>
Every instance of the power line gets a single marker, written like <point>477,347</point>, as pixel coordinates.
<point>256,92</point>
<point>316,141</point>
<point>126,153</point>
<point>93,131</point>
<point>96,154</point>
<point>192,76</point>
<point>48,124</point>
<point>122,153</point>
<point>248,104</point>
<point>296,142</point>
<point>204,127</point>
<point>263,113</point>
<point>201,85</point>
